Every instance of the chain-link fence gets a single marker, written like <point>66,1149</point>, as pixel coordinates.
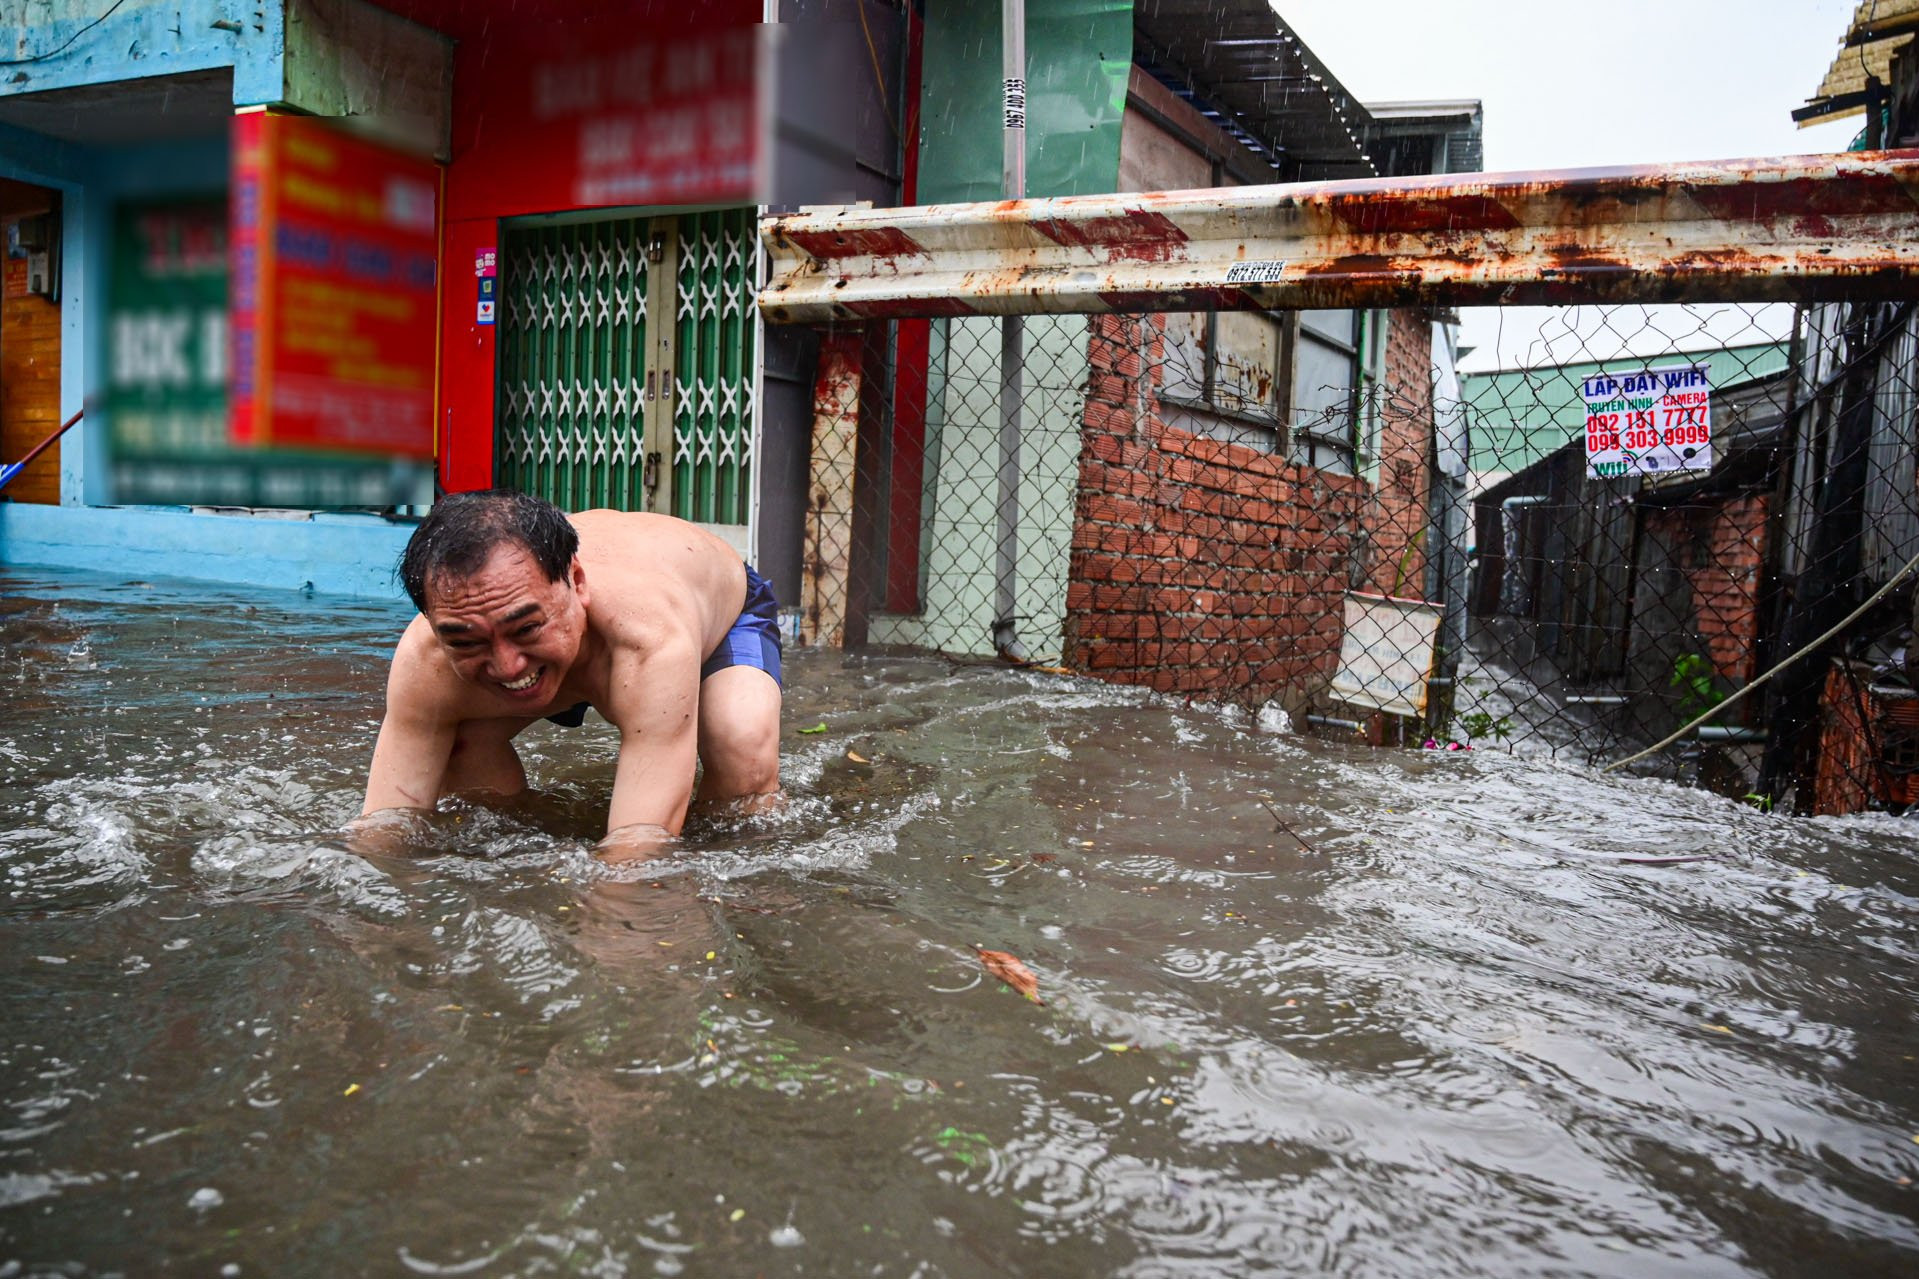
<point>1575,543</point>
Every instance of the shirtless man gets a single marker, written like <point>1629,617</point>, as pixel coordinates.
<point>527,613</point>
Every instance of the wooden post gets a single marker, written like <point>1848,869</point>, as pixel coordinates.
<point>829,520</point>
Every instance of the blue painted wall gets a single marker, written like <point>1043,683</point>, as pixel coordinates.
<point>332,554</point>
<point>141,38</point>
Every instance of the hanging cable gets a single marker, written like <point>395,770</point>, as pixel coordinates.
<point>42,57</point>
<point>1781,665</point>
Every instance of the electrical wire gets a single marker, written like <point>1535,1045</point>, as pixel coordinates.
<point>42,57</point>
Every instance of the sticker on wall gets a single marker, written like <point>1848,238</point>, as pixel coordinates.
<point>486,272</point>
<point>1263,272</point>
<point>1648,421</point>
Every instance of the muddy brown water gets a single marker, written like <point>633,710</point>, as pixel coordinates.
<point>1449,1030</point>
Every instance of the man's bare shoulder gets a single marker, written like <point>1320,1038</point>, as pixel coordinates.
<point>655,581</point>
<point>423,684</point>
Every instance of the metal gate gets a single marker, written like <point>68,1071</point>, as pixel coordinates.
<point>718,352</point>
<point>597,394</point>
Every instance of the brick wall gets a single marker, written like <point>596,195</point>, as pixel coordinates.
<point>1723,556</point>
<point>1198,566</point>
<point>1396,564</point>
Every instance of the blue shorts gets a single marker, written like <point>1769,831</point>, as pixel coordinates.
<point>755,638</point>
<point>754,641</point>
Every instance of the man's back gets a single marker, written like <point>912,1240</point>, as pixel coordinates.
<point>653,573</point>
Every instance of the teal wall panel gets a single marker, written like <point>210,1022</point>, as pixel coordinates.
<point>1078,56</point>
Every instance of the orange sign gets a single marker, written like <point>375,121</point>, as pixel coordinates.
<point>333,310</point>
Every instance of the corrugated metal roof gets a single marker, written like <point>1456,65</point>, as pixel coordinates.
<point>1865,56</point>
<point>1241,57</point>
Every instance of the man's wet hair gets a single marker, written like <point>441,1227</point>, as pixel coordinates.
<point>464,529</point>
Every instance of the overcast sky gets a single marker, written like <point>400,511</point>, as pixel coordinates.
<point>1573,85</point>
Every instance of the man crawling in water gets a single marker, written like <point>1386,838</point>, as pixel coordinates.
<point>527,613</point>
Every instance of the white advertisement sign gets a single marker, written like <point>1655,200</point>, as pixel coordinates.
<point>1386,657</point>
<point>1649,421</point>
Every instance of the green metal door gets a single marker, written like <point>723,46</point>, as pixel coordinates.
<point>715,362</point>
<point>573,362</point>
<point>595,403</point>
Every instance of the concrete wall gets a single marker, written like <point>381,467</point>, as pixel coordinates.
<point>144,38</point>
<point>333,554</point>
<point>384,77</point>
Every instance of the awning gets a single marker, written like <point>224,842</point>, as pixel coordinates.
<point>1878,29</point>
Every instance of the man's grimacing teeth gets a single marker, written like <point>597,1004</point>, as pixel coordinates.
<point>525,682</point>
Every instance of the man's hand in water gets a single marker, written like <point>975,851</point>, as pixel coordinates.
<point>389,832</point>
<point>639,842</point>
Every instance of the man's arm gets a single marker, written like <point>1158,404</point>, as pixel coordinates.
<point>415,743</point>
<point>656,704</point>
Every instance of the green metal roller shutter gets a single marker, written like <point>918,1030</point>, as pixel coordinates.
<point>572,360</point>
<point>717,352</point>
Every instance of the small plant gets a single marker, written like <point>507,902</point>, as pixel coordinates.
<point>1761,802</point>
<point>1692,675</point>
<point>1482,724</point>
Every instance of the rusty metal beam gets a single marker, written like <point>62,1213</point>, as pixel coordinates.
<point>1809,228</point>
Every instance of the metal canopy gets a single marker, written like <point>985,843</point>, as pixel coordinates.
<point>1242,57</point>
<point>1740,230</point>
<point>1878,29</point>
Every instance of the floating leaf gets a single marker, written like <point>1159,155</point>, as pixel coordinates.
<point>817,728</point>
<point>1041,859</point>
<point>1010,970</point>
<point>967,1147</point>
<point>350,1090</point>
<point>1718,1030</point>
<point>857,758</point>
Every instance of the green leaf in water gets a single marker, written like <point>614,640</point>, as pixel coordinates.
<point>817,728</point>
<point>967,1147</point>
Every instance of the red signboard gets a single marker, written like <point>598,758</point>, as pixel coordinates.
<point>334,240</point>
<point>600,116</point>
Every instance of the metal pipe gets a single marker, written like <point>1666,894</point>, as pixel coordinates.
<point>1012,349</point>
<point>1327,721</point>
<point>12,469</point>
<point>1795,229</point>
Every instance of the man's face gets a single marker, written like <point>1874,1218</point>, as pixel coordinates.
<point>508,629</point>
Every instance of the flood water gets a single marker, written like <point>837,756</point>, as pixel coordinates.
<point>1445,1026</point>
